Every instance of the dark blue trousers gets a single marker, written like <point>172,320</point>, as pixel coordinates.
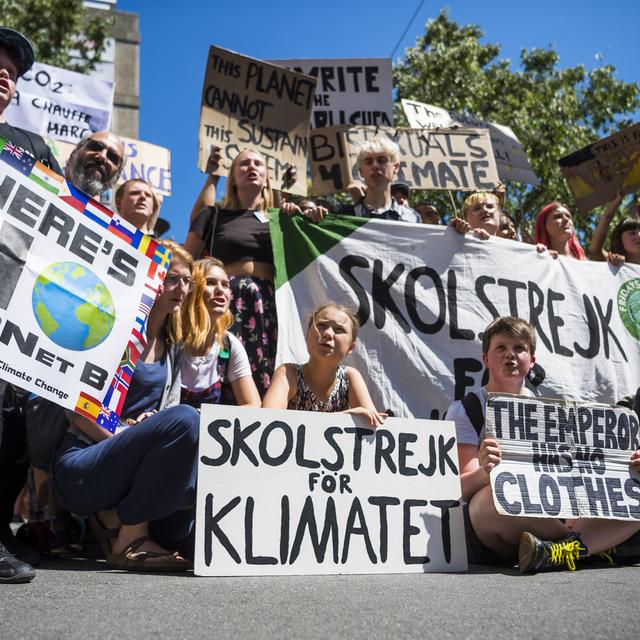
<point>146,472</point>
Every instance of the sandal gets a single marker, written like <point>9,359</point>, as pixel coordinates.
<point>130,559</point>
<point>102,535</point>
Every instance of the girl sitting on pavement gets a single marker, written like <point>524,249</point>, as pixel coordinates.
<point>324,383</point>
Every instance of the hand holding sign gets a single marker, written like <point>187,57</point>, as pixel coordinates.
<point>373,417</point>
<point>250,104</point>
<point>214,160</point>
<point>289,178</point>
<point>564,459</point>
<point>489,454</point>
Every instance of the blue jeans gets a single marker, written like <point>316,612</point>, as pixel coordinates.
<point>146,472</point>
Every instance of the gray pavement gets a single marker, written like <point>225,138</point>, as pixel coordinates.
<point>85,599</point>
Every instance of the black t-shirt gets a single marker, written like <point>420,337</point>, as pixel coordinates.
<point>32,143</point>
<point>234,236</point>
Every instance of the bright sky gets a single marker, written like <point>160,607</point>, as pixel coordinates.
<point>176,36</point>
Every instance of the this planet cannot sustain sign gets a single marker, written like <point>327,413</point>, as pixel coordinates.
<point>72,306</point>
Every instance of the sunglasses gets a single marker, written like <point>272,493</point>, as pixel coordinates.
<point>99,147</point>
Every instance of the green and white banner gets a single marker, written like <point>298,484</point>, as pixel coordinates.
<point>424,295</point>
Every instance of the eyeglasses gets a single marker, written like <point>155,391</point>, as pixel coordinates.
<point>173,280</point>
<point>99,147</point>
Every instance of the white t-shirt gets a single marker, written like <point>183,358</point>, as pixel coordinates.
<point>465,431</point>
<point>201,372</point>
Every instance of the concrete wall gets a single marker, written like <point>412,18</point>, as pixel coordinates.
<point>126,103</point>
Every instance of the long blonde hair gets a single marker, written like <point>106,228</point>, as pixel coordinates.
<point>196,320</point>
<point>173,324</point>
<point>232,201</point>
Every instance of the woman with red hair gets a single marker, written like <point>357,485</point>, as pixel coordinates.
<point>554,231</point>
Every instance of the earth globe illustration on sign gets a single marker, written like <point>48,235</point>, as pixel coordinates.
<point>72,306</point>
<point>633,305</point>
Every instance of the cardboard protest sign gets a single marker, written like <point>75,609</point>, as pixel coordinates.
<point>61,104</point>
<point>598,171</point>
<point>351,91</point>
<point>293,492</point>
<point>143,160</point>
<point>250,104</point>
<point>147,162</point>
<point>510,156</point>
<point>457,159</point>
<point>563,459</point>
<point>78,284</point>
<point>424,295</point>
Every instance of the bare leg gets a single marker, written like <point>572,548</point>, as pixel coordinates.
<point>502,533</point>
<point>600,535</point>
<point>109,519</point>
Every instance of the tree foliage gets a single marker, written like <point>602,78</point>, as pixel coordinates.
<point>58,29</point>
<point>553,111</point>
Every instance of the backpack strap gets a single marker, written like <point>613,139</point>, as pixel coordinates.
<point>226,391</point>
<point>223,358</point>
<point>210,232</point>
<point>473,407</point>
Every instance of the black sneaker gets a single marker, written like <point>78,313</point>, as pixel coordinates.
<point>626,553</point>
<point>546,555</point>
<point>20,548</point>
<point>13,570</point>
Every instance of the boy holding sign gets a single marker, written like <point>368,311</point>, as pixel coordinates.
<point>508,352</point>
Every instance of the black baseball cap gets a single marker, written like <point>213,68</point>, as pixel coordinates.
<point>401,186</point>
<point>19,46</point>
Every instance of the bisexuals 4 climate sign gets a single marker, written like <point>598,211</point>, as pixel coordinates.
<point>563,459</point>
<point>78,284</point>
<point>453,159</point>
<point>425,294</point>
<point>293,492</point>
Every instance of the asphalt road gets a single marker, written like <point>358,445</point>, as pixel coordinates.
<point>85,599</point>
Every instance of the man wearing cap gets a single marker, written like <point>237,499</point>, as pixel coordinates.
<point>16,58</point>
<point>400,191</point>
<point>378,162</point>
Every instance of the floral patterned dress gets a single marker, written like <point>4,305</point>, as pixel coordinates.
<point>305,399</point>
<point>255,324</point>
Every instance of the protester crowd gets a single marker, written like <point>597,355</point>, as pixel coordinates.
<point>211,337</point>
